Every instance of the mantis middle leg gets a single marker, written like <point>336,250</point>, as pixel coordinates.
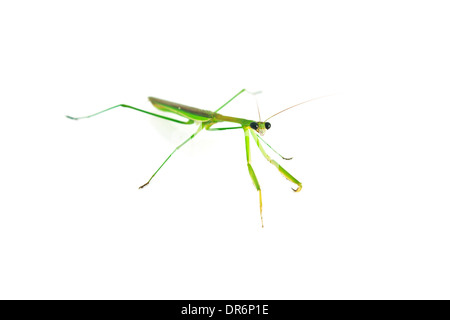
<point>235,96</point>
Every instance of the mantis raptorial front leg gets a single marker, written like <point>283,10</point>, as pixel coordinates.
<point>188,139</point>
<point>283,171</point>
<point>251,172</point>
<point>284,158</point>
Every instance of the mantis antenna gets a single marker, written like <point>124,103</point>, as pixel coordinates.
<point>257,106</point>
<point>296,105</point>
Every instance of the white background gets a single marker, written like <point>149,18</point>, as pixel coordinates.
<point>372,220</point>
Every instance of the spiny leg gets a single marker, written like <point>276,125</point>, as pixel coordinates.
<point>190,138</point>
<point>274,149</point>
<point>252,173</point>
<point>235,96</point>
<point>286,174</point>
<point>130,107</point>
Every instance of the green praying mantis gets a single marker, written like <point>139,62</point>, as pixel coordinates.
<point>206,119</point>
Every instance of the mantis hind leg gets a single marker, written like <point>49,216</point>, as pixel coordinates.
<point>133,108</point>
<point>283,171</point>
<point>188,139</point>
<point>252,172</point>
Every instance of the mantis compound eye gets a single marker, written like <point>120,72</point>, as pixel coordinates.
<point>268,125</point>
<point>254,125</point>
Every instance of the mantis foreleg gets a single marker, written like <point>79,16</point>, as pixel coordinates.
<point>286,174</point>
<point>251,172</point>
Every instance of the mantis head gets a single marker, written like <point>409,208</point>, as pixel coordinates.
<point>260,127</point>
